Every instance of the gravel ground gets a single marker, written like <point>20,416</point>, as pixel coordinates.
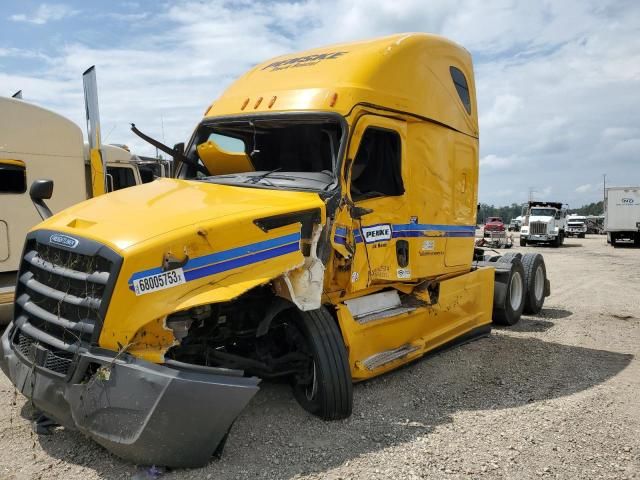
<point>556,396</point>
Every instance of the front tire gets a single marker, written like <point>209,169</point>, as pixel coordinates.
<point>327,389</point>
<point>523,242</point>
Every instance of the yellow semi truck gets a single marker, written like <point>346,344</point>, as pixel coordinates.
<point>321,229</point>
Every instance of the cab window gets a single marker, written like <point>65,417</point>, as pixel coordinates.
<point>460,82</point>
<point>120,177</point>
<point>376,169</point>
<point>13,176</point>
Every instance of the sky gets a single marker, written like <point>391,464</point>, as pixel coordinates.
<point>558,82</point>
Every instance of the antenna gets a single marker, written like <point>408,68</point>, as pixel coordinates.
<point>163,140</point>
<point>531,192</point>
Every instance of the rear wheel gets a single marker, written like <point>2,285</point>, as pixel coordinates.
<point>535,278</point>
<point>509,293</point>
<point>326,389</point>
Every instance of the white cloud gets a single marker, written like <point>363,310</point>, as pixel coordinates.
<point>496,162</point>
<point>45,13</point>
<point>503,110</point>
<point>587,187</point>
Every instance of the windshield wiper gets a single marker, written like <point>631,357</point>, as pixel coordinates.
<point>257,178</point>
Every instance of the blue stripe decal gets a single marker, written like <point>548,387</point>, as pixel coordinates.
<point>411,230</point>
<point>240,261</point>
<point>444,228</point>
<point>227,255</point>
<point>340,240</point>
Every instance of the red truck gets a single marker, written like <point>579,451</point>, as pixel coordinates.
<point>493,225</point>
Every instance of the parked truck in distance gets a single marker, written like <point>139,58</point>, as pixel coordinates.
<point>622,215</point>
<point>576,226</point>
<point>38,143</point>
<point>492,226</point>
<point>544,222</point>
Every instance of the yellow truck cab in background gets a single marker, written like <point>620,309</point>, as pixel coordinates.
<point>38,143</point>
<point>321,229</point>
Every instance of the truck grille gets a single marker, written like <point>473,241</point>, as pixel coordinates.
<point>61,300</point>
<point>538,228</point>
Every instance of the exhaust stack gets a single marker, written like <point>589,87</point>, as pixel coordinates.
<point>98,167</point>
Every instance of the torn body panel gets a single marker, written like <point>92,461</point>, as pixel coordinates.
<point>303,286</point>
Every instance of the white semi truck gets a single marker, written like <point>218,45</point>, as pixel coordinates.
<point>544,222</point>
<point>576,226</point>
<point>37,143</point>
<point>622,215</point>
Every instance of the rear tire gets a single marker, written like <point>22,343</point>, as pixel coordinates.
<point>508,298</point>
<point>535,277</point>
<point>329,394</point>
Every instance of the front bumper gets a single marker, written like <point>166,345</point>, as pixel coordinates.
<point>145,413</point>
<point>538,238</point>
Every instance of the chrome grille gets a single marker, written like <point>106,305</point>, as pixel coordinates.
<point>61,299</point>
<point>538,228</point>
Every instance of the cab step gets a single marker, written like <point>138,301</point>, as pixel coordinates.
<point>377,307</point>
<point>379,359</point>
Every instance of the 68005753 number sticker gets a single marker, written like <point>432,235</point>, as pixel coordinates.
<point>159,281</point>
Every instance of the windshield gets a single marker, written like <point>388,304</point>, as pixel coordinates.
<point>280,153</point>
<point>543,212</point>
<point>575,221</point>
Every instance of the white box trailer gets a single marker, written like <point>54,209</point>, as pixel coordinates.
<point>622,215</point>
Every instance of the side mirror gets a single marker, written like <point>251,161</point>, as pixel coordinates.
<point>179,147</point>
<point>41,190</point>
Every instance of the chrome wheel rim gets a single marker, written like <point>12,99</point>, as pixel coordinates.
<point>515,289</point>
<point>538,282</point>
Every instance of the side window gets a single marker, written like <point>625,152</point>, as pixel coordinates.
<point>146,174</point>
<point>122,177</point>
<point>376,169</point>
<point>13,176</point>
<point>460,81</point>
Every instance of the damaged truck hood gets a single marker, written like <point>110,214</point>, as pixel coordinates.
<point>125,218</point>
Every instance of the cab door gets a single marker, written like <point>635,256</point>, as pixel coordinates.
<point>376,187</point>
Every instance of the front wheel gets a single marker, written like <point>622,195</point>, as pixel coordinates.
<point>523,242</point>
<point>326,388</point>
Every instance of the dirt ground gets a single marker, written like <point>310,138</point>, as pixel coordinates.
<point>556,396</point>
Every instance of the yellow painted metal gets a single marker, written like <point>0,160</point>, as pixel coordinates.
<point>406,72</point>
<point>97,173</point>
<point>220,162</point>
<point>179,218</point>
<point>465,303</point>
<point>14,163</point>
